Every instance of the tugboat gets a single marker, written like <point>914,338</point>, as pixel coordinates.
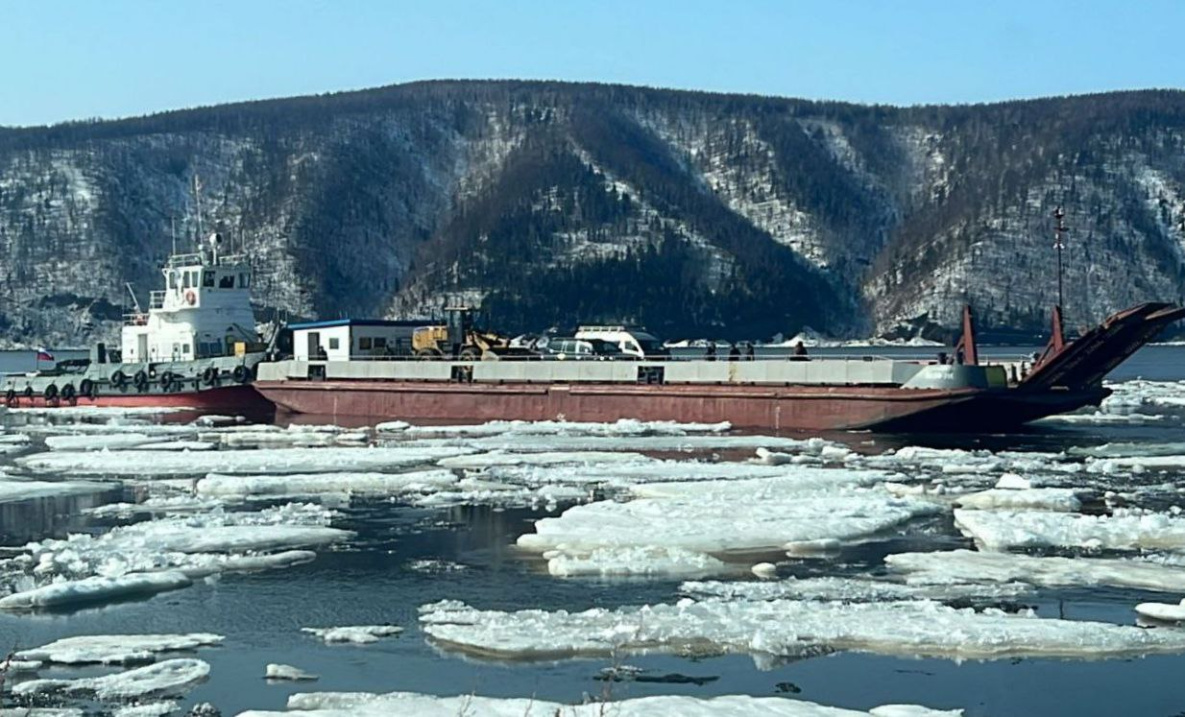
<point>196,347</point>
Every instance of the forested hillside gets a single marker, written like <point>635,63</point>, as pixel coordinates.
<point>696,214</point>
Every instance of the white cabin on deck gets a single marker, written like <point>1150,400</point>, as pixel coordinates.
<point>204,310</point>
<point>353,339</point>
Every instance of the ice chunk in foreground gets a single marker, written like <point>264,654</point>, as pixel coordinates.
<point>116,649</point>
<point>1007,530</point>
<point>365,704</point>
<point>318,483</point>
<point>784,628</point>
<point>959,566</point>
<point>95,589</point>
<point>168,677</point>
<point>295,460</point>
<point>287,672</point>
<point>356,634</point>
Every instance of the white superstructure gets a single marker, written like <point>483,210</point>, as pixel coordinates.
<point>203,311</point>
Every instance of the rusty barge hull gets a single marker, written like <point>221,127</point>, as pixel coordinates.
<point>791,408</point>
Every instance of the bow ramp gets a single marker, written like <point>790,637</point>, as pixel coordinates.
<point>1084,363</point>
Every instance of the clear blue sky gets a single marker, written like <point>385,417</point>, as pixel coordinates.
<point>112,58</point>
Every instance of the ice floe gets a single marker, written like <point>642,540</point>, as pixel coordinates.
<point>355,634</point>
<point>197,545</point>
<point>12,490</point>
<point>1162,612</point>
<point>1137,463</point>
<point>294,437</point>
<point>295,460</point>
<point>1141,393</point>
<point>115,441</point>
<point>786,628</point>
<point>1065,500</point>
<point>276,671</point>
<point>94,589</point>
<point>850,589</point>
<point>765,571</point>
<point>317,483</point>
<point>116,649</point>
<point>624,427</point>
<point>634,561</point>
<point>544,458</point>
<point>968,566</point>
<point>168,677</point>
<point>364,704</point>
<point>104,412</point>
<point>146,709</point>
<point>720,517</point>
<point>528,443</point>
<point>620,473</point>
<point>1008,530</point>
<point>1101,418</point>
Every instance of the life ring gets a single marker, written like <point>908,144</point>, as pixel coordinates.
<point>51,392</point>
<point>28,392</point>
<point>190,297</point>
<point>68,392</point>
<point>86,387</point>
<point>141,381</point>
<point>241,374</point>
<point>166,380</point>
<point>210,375</point>
<point>118,379</point>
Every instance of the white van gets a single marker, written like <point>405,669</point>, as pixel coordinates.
<point>631,341</point>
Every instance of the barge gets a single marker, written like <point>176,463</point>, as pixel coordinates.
<point>792,393</point>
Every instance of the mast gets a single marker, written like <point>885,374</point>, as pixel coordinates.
<point>197,194</point>
<point>1058,231</point>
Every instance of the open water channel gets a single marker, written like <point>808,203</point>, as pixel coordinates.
<point>452,536</point>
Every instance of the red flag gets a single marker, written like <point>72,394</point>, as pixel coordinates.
<point>43,355</point>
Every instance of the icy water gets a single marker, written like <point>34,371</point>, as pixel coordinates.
<point>442,540</point>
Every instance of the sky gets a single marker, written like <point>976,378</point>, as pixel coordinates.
<point>83,59</point>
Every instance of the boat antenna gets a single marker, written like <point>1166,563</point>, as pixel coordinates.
<point>173,231</point>
<point>197,194</point>
<point>1058,231</point>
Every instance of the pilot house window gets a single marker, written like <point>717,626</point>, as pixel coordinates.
<point>364,343</point>
<point>208,279</point>
<point>333,343</point>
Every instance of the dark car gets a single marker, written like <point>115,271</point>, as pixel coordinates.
<point>566,347</point>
